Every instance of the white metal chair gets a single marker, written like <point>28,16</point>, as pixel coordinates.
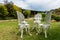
<point>46,25</point>
<point>37,20</point>
<point>22,24</point>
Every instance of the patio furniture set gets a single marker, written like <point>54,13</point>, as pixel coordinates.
<point>22,24</point>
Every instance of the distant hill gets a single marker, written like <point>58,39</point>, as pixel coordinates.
<point>56,11</point>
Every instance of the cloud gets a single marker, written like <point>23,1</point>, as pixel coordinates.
<point>1,1</point>
<point>43,4</point>
<point>39,5</point>
<point>22,4</point>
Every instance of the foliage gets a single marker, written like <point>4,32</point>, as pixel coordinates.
<point>56,17</point>
<point>3,12</point>
<point>43,15</point>
<point>56,14</point>
<point>56,11</point>
<point>26,13</point>
<point>10,7</point>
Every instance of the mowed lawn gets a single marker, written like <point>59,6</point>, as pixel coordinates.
<point>8,30</point>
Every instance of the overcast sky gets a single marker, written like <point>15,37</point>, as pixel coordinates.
<point>39,5</point>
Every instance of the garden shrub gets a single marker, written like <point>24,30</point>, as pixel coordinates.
<point>26,13</point>
<point>43,16</point>
<point>56,17</point>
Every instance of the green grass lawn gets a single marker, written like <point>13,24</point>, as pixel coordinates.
<point>8,31</point>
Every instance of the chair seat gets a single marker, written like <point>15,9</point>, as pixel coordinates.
<point>23,24</point>
<point>41,24</point>
<point>37,21</point>
<point>45,25</point>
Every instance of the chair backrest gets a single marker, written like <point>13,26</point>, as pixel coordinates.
<point>38,17</point>
<point>20,17</point>
<point>48,17</point>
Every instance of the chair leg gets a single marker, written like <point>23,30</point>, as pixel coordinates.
<point>26,29</point>
<point>22,33</point>
<point>33,27</point>
<point>39,27</point>
<point>45,33</point>
<point>29,31</point>
<point>38,30</point>
<point>18,31</point>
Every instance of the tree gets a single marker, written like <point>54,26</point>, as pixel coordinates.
<point>27,13</point>
<point>34,12</point>
<point>11,9</point>
<point>56,14</point>
<point>3,12</point>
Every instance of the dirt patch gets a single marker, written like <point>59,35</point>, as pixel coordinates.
<point>8,20</point>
